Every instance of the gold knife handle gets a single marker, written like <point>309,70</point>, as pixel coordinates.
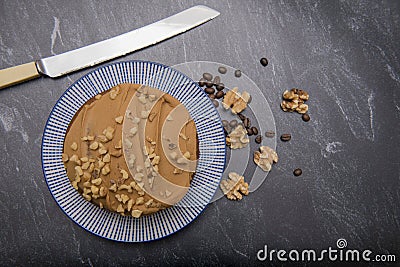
<point>18,74</point>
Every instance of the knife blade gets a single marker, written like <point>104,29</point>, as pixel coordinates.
<point>102,51</point>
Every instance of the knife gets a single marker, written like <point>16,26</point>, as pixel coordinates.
<point>96,53</point>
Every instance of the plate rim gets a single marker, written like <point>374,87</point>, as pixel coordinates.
<point>52,112</point>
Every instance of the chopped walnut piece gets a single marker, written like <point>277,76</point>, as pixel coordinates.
<point>139,201</point>
<point>102,138</point>
<point>102,150</point>
<point>107,158</point>
<point>94,189</point>
<point>130,204</point>
<point>106,169</point>
<point>64,157</point>
<point>97,97</point>
<point>74,146</point>
<point>119,119</point>
<point>234,187</point>
<point>265,158</point>
<point>97,181</point>
<point>294,99</point>
<point>94,145</point>
<point>78,170</point>
<point>237,138</point>
<point>113,188</point>
<point>120,208</point>
<point>124,198</point>
<point>124,174</point>
<point>187,155</point>
<point>136,213</point>
<point>103,191</point>
<point>235,100</point>
<point>125,187</point>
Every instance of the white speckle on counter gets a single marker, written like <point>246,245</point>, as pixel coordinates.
<point>11,120</point>
<point>56,31</point>
<point>371,114</point>
<point>392,74</point>
<point>332,148</point>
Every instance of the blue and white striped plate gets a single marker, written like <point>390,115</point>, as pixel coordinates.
<point>209,168</point>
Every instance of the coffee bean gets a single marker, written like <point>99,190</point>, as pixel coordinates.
<point>233,123</point>
<point>207,76</point>
<point>222,70</point>
<point>246,122</point>
<point>225,123</point>
<point>212,96</point>
<point>220,86</point>
<point>249,131</point>
<point>238,73</point>
<point>264,61</point>
<point>258,139</point>
<point>219,94</point>
<point>269,134</point>
<point>202,82</point>
<point>209,84</point>
<point>305,117</point>
<point>217,80</point>
<point>255,130</point>
<point>209,90</point>
<point>242,117</point>
<point>297,172</point>
<point>216,103</point>
<point>286,137</point>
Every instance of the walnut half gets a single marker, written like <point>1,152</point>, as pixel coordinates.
<point>294,99</point>
<point>235,100</point>
<point>265,158</point>
<point>234,187</point>
<point>237,138</point>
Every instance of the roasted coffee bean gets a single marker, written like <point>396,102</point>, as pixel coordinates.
<point>246,122</point>
<point>212,96</point>
<point>222,70</point>
<point>286,137</point>
<point>202,82</point>
<point>264,61</point>
<point>220,86</point>
<point>217,80</point>
<point>238,73</point>
<point>269,134</point>
<point>207,76</point>
<point>216,103</point>
<point>225,123</point>
<point>255,130</point>
<point>233,123</point>
<point>305,117</point>
<point>242,117</point>
<point>297,172</point>
<point>219,94</point>
<point>249,131</point>
<point>258,139</point>
<point>209,90</point>
<point>209,84</point>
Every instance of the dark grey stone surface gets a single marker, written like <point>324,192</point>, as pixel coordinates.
<point>345,53</point>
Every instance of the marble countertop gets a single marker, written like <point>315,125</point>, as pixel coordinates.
<point>344,53</point>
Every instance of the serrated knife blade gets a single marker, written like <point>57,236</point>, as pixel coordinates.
<point>102,51</point>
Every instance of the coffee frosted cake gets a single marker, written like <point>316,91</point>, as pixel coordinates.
<point>131,150</point>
